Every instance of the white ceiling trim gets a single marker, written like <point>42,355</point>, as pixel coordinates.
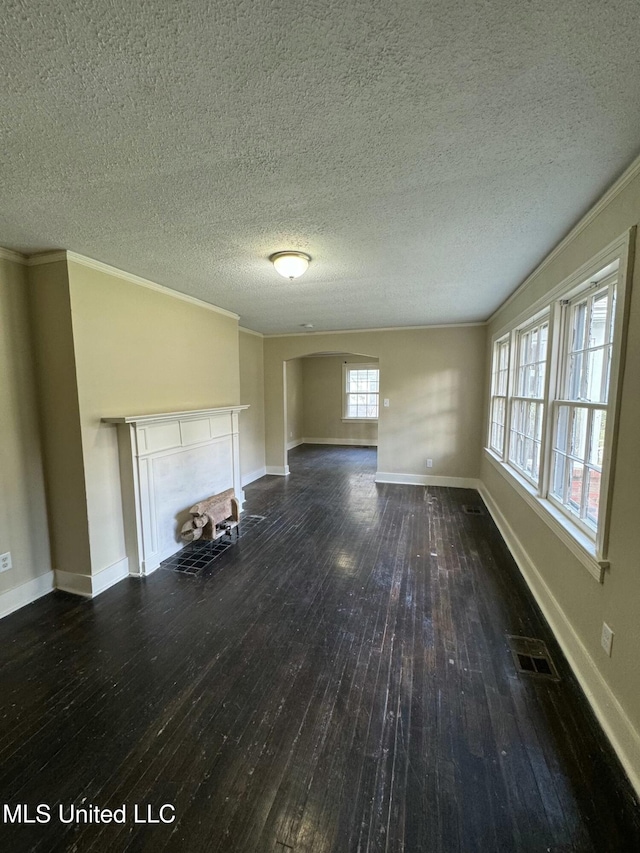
<point>250,332</point>
<point>614,190</point>
<point>10,255</point>
<point>52,257</point>
<point>618,248</point>
<point>378,329</point>
<point>46,258</point>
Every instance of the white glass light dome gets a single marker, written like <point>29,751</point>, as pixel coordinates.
<point>290,264</point>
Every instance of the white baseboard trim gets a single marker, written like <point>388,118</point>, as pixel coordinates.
<point>296,442</point>
<point>278,470</point>
<point>73,582</point>
<point>110,576</point>
<point>253,475</point>
<point>20,596</point>
<point>426,480</point>
<point>624,738</point>
<point>91,585</point>
<point>350,442</point>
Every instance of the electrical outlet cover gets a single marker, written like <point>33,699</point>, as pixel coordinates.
<point>607,638</point>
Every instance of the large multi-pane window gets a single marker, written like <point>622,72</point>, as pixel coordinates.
<point>527,400</point>
<point>499,378</point>
<point>580,411</point>
<point>553,383</point>
<point>361,391</point>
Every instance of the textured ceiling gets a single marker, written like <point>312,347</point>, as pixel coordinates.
<point>426,155</point>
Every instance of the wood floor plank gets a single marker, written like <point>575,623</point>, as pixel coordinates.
<point>339,681</point>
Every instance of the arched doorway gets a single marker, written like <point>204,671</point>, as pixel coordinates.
<point>330,398</point>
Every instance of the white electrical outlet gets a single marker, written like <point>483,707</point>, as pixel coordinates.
<point>5,562</point>
<point>429,463</point>
<point>385,402</point>
<point>606,640</point>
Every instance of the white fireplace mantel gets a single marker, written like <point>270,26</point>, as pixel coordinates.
<point>168,462</point>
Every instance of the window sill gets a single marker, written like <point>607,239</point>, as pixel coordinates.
<point>359,420</point>
<point>576,541</point>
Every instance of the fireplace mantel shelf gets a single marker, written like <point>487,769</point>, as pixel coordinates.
<point>172,416</point>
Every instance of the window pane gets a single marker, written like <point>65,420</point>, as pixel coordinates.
<point>526,434</point>
<point>579,318</point>
<point>518,450</point>
<point>593,496</point>
<point>493,437</point>
<point>597,326</point>
<point>557,485</point>
<point>587,376</point>
<point>498,412</point>
<point>596,444</point>
<point>535,469</point>
<point>578,433</point>
<point>562,427</point>
<point>528,456</point>
<point>362,405</point>
<point>612,312</point>
<point>504,355</point>
<point>574,387</point>
<point>595,364</point>
<point>576,477</point>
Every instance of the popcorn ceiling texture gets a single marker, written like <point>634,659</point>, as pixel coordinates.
<point>427,155</point>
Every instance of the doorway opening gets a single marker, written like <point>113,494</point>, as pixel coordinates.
<point>331,398</point>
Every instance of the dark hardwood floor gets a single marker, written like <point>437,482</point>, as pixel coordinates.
<point>338,681</point>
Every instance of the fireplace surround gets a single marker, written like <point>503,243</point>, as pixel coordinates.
<point>168,462</point>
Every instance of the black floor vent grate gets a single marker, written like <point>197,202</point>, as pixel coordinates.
<point>473,509</point>
<point>532,657</point>
<point>196,556</point>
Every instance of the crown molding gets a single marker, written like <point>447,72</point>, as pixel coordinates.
<point>380,329</point>
<point>46,258</point>
<point>10,255</point>
<point>614,190</point>
<point>614,251</point>
<point>90,263</point>
<point>250,332</point>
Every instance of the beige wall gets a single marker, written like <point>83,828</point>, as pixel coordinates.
<point>252,394</point>
<point>139,351</point>
<point>322,387</point>
<point>434,379</point>
<point>59,414</point>
<point>295,405</point>
<point>575,602</point>
<point>23,517</point>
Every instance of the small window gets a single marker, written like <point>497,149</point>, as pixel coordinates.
<point>499,385</point>
<point>527,401</point>
<point>361,391</point>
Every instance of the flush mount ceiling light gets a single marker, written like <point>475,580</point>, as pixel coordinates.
<point>290,264</point>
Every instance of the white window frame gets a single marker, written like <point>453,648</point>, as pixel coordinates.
<point>346,367</point>
<point>588,545</point>
<point>499,395</point>
<point>573,404</point>
<point>517,397</point>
